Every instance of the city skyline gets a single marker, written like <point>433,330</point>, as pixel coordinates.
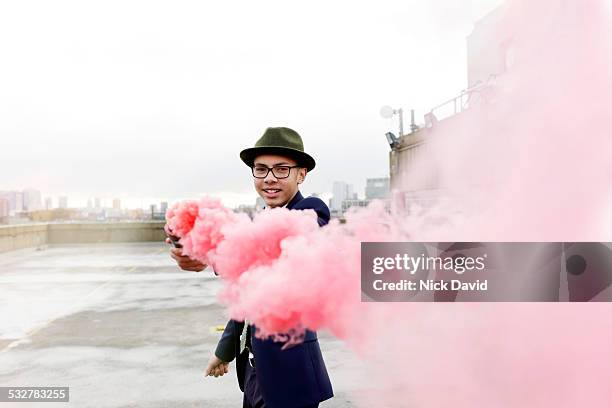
<point>31,205</point>
<point>232,200</point>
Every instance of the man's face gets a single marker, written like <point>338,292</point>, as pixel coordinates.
<point>277,192</point>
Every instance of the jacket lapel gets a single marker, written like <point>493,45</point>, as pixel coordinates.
<point>296,199</point>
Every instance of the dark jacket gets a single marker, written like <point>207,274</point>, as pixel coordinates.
<point>290,378</point>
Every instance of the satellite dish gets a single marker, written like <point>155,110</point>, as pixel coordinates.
<point>386,112</point>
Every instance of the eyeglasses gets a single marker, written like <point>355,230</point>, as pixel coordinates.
<point>280,172</point>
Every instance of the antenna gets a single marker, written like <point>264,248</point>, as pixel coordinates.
<point>387,112</point>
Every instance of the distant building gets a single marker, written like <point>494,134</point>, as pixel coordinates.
<point>18,202</point>
<point>346,204</point>
<point>48,203</point>
<point>377,188</point>
<point>97,203</point>
<point>157,215</point>
<point>116,204</point>
<point>15,199</point>
<point>163,207</point>
<point>341,191</point>
<point>136,214</point>
<point>32,200</point>
<point>63,203</point>
<point>54,215</point>
<point>4,209</point>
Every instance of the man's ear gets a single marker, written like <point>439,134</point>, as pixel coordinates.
<point>302,175</point>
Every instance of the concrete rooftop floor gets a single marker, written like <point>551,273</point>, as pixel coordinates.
<point>122,326</point>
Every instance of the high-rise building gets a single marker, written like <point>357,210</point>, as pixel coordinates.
<point>10,196</point>
<point>18,202</point>
<point>32,200</point>
<point>116,204</point>
<point>48,203</point>
<point>341,191</point>
<point>63,202</point>
<point>155,215</point>
<point>4,208</point>
<point>163,208</point>
<point>377,188</point>
<point>97,203</point>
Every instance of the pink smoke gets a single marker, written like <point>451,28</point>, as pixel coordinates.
<point>181,217</point>
<point>535,162</point>
<point>532,164</point>
<point>272,277</point>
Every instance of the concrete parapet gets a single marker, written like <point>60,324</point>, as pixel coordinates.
<point>23,236</point>
<point>34,235</point>
<point>106,232</point>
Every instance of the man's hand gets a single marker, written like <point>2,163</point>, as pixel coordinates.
<point>184,262</point>
<point>216,367</point>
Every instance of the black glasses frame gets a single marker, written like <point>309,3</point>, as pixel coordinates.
<point>271,169</point>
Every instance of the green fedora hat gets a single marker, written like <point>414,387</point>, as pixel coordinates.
<point>282,141</point>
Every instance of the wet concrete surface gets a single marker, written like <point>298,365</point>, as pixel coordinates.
<point>122,326</point>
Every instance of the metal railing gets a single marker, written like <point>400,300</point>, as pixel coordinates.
<point>478,93</point>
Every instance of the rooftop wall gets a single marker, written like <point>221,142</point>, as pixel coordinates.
<point>14,237</point>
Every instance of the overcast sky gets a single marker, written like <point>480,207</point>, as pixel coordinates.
<point>156,99</point>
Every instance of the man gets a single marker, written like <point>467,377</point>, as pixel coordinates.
<point>269,376</point>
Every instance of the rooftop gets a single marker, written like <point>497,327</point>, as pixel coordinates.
<point>122,326</point>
